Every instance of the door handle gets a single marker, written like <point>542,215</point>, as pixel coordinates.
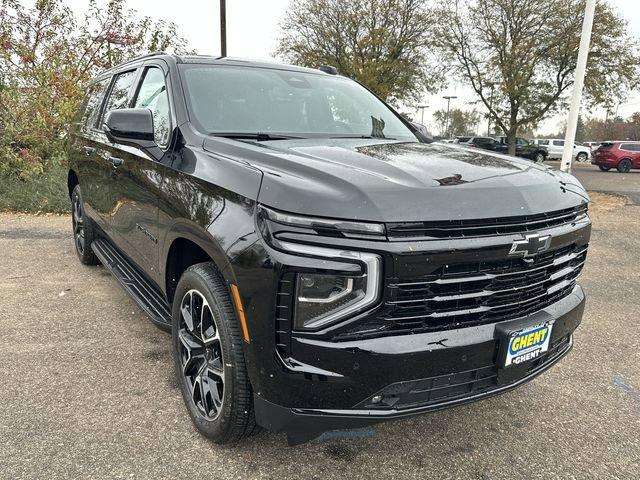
<point>88,150</point>
<point>115,161</point>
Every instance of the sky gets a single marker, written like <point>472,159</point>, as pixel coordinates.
<point>253,29</point>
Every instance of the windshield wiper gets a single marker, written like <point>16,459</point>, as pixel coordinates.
<point>257,136</point>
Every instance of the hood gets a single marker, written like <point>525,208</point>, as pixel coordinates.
<point>385,181</point>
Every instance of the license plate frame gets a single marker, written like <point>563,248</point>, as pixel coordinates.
<point>525,344</point>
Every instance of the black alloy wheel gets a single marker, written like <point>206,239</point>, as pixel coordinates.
<point>209,357</point>
<point>83,233</point>
<point>201,355</point>
<point>624,166</point>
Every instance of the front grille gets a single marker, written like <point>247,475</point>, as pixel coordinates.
<point>483,227</point>
<point>455,386</point>
<point>469,294</point>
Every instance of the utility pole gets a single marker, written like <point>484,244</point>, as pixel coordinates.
<point>581,67</point>
<point>223,28</point>
<point>448,99</point>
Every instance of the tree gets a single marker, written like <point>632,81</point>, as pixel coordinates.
<point>526,53</point>
<point>460,122</point>
<point>613,128</point>
<point>46,58</point>
<point>383,44</point>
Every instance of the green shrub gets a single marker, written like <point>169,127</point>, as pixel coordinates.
<point>39,193</point>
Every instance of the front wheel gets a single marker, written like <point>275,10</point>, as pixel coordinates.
<point>603,168</point>
<point>539,157</point>
<point>582,157</point>
<point>624,166</point>
<point>208,357</point>
<point>83,232</point>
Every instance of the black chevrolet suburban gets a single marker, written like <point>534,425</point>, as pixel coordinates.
<point>319,263</point>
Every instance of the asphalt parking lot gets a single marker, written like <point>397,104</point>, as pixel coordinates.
<point>87,388</point>
<point>594,180</point>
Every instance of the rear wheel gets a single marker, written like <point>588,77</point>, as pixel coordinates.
<point>624,166</point>
<point>582,157</point>
<point>83,232</point>
<point>603,168</point>
<point>208,357</point>
<point>539,157</point>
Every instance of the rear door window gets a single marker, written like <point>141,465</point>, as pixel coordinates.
<point>119,95</point>
<point>558,143</point>
<point>543,142</point>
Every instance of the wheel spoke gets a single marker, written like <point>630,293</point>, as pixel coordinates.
<point>191,354</point>
<point>208,331</point>
<point>197,393</point>
<point>185,310</point>
<point>212,389</point>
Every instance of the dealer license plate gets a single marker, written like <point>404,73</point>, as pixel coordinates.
<point>528,344</point>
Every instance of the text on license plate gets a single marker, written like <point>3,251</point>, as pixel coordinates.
<point>528,344</point>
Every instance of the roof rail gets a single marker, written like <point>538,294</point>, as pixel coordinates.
<point>145,55</point>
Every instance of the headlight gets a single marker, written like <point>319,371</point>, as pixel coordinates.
<point>326,298</point>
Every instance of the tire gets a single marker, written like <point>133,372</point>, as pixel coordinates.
<point>83,231</point>
<point>582,157</point>
<point>538,157</point>
<point>210,365</point>
<point>603,168</point>
<point>624,166</point>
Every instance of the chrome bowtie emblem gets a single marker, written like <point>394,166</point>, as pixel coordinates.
<point>530,245</point>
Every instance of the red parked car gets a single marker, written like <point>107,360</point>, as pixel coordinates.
<point>620,155</point>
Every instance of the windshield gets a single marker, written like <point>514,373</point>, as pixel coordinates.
<point>231,99</point>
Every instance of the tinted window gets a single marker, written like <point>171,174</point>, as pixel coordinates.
<point>119,95</point>
<point>632,147</point>
<point>92,110</point>
<point>543,142</point>
<point>558,143</point>
<point>153,95</point>
<point>463,139</point>
<point>522,141</point>
<point>483,140</point>
<point>225,99</point>
<point>605,146</point>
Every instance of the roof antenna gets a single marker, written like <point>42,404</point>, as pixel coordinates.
<point>328,69</point>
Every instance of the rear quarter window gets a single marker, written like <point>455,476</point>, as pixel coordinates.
<point>630,147</point>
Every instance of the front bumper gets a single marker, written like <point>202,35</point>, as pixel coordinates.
<point>428,372</point>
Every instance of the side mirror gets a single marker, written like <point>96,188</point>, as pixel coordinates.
<point>130,126</point>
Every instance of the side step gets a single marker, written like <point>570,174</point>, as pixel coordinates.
<point>146,295</point>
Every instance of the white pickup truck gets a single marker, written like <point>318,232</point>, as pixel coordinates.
<point>556,148</point>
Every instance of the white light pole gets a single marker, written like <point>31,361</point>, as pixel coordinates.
<point>448,98</point>
<point>581,67</point>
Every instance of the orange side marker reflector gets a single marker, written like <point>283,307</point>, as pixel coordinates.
<point>240,310</point>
